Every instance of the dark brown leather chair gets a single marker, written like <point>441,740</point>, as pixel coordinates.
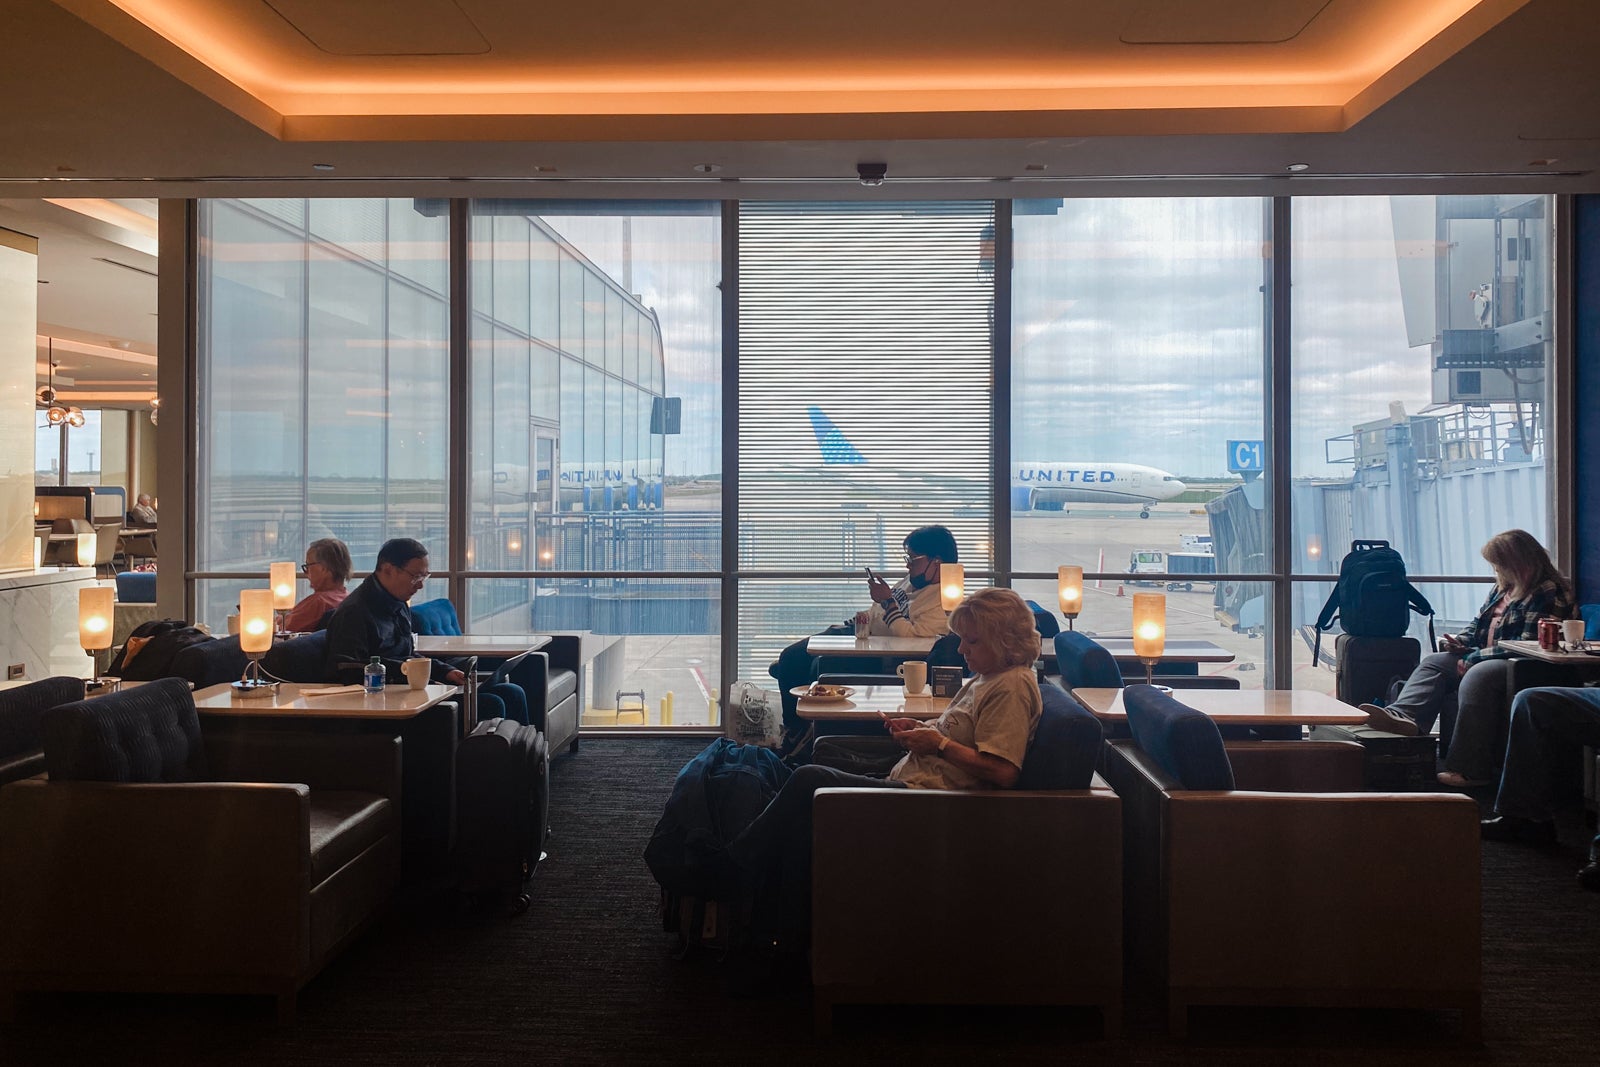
<point>151,861</point>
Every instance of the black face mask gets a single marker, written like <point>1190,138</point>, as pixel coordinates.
<point>920,581</point>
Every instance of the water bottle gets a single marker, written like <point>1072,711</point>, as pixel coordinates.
<point>372,678</point>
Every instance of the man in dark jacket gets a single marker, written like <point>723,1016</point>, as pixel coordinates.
<point>375,621</point>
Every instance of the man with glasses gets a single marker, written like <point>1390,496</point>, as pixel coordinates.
<point>374,619</point>
<point>909,608</point>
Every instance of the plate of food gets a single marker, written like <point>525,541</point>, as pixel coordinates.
<point>821,693</point>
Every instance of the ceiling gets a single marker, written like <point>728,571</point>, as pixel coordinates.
<point>124,101</point>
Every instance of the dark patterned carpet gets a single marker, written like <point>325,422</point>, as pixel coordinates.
<point>586,976</point>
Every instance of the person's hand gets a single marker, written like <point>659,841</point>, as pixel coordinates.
<point>1452,643</point>
<point>1461,667</point>
<point>922,740</point>
<point>455,677</point>
<point>901,723</point>
<point>878,589</point>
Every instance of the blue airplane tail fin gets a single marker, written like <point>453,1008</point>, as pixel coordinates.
<point>831,440</point>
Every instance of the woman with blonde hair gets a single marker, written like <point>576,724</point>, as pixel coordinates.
<point>1463,686</point>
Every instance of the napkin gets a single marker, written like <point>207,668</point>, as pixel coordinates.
<point>333,691</point>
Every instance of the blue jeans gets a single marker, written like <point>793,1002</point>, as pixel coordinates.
<point>1543,723</point>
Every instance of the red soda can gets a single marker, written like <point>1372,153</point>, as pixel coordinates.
<point>1549,634</point>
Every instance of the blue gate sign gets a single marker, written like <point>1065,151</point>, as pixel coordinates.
<point>1245,456</point>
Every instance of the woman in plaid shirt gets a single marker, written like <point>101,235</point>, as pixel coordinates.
<point>1464,684</point>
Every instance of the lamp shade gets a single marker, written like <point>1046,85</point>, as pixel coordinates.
<point>1069,589</point>
<point>86,547</point>
<point>38,552</point>
<point>952,585</point>
<point>255,620</point>
<point>282,579</point>
<point>1149,625</point>
<point>95,617</point>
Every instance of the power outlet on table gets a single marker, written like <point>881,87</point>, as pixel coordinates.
<point>15,671</point>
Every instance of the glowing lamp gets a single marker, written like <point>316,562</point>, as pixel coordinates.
<point>281,577</point>
<point>86,547</point>
<point>1069,590</point>
<point>255,638</point>
<point>94,617</point>
<point>1314,548</point>
<point>952,585</point>
<point>1149,630</point>
<point>38,552</point>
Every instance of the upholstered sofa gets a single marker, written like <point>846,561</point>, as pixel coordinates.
<point>549,679</point>
<point>152,860</point>
<point>21,709</point>
<point>1257,872</point>
<point>1017,893</point>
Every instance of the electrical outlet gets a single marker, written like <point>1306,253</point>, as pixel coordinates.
<point>15,671</point>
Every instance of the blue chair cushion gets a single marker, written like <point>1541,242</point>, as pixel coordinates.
<point>1185,742</point>
<point>136,587</point>
<point>299,659</point>
<point>436,618</point>
<point>1043,620</point>
<point>1085,664</point>
<point>210,662</point>
<point>1591,621</point>
<point>1065,748</point>
<point>147,734</point>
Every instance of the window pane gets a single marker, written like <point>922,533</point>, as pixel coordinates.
<point>864,364</point>
<point>1139,350</point>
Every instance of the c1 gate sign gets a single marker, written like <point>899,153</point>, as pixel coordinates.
<point>1245,456</point>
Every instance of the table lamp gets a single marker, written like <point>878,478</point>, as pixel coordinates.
<point>95,615</point>
<point>1069,590</point>
<point>1149,631</point>
<point>281,578</point>
<point>255,638</point>
<point>86,548</point>
<point>952,585</point>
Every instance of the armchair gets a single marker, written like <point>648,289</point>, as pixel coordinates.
<point>21,709</point>
<point>549,680</point>
<point>1037,871</point>
<point>247,885</point>
<point>1243,897</point>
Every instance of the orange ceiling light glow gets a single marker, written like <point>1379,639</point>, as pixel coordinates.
<point>390,70</point>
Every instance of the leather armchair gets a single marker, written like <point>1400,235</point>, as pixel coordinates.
<point>549,680</point>
<point>1285,897</point>
<point>246,877</point>
<point>1037,871</point>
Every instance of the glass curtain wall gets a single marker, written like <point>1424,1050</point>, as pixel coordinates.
<point>865,354</point>
<point>1419,391</point>
<point>323,387</point>
<point>595,442</point>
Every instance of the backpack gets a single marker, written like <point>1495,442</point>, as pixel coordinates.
<point>1373,598</point>
<point>150,648</point>
<point>716,795</point>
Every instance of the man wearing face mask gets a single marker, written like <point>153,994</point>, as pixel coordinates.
<point>909,608</point>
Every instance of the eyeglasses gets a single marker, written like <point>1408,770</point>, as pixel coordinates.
<point>417,577</point>
<point>913,557</point>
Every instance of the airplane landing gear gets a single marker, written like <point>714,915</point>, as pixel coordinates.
<point>1144,513</point>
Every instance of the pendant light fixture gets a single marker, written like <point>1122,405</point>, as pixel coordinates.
<point>54,414</point>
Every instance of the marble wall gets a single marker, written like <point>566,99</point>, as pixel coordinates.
<point>39,622</point>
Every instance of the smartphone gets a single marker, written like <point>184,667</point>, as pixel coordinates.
<point>871,576</point>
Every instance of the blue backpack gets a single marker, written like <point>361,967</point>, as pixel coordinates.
<point>1373,597</point>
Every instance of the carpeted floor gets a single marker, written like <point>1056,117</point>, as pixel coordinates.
<point>587,976</point>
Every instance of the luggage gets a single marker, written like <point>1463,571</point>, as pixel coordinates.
<point>1372,597</point>
<point>1365,667</point>
<point>716,925</point>
<point>1394,762</point>
<point>502,809</point>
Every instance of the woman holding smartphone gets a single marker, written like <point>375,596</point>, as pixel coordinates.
<point>1463,686</point>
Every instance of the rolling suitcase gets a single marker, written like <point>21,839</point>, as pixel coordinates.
<point>1364,666</point>
<point>502,807</point>
<point>1394,763</point>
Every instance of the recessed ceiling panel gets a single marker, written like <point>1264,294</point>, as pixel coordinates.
<point>402,28</point>
<point>1208,22</point>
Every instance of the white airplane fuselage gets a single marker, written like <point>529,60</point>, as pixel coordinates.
<point>1049,486</point>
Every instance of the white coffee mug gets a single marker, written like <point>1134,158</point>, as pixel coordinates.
<point>417,671</point>
<point>915,672</point>
<point>1572,632</point>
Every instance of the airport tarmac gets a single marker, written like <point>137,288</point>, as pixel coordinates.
<point>1098,538</point>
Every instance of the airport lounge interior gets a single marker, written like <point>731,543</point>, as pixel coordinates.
<point>1148,440</point>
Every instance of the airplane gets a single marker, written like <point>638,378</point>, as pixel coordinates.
<point>1037,486</point>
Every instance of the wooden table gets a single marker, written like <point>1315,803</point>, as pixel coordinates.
<point>878,647</point>
<point>395,703</point>
<point>867,701</point>
<point>485,646</point>
<point>1177,650</point>
<point>1239,707</point>
<point>1531,650</point>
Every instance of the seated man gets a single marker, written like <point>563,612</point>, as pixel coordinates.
<point>977,743</point>
<point>143,512</point>
<point>374,619</point>
<point>1543,721</point>
<point>910,608</point>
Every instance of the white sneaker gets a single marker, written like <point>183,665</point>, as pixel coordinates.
<point>1390,721</point>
